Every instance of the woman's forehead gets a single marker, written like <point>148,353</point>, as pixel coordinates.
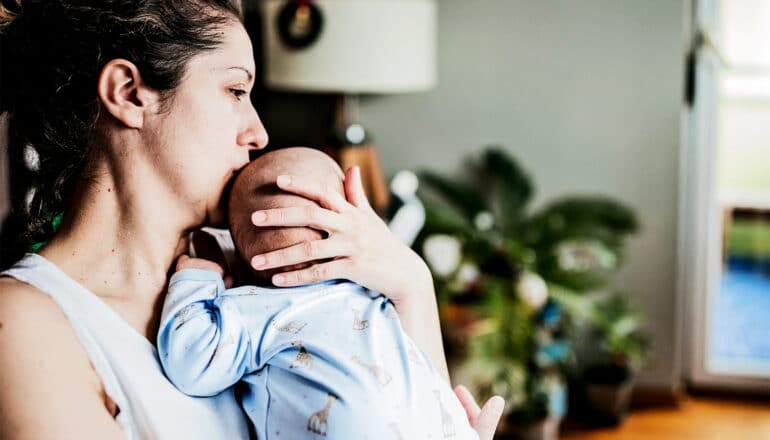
<point>234,56</point>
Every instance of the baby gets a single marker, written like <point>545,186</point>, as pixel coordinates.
<point>321,360</point>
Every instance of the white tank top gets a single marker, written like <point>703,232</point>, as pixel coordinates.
<point>128,365</point>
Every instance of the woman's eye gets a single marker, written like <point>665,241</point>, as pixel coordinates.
<point>238,93</point>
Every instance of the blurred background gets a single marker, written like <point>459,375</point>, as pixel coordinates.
<point>598,170</point>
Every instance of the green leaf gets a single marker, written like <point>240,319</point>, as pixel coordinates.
<point>586,216</point>
<point>442,219</point>
<point>625,325</point>
<point>618,326</point>
<point>465,198</point>
<point>577,305</point>
<point>513,186</point>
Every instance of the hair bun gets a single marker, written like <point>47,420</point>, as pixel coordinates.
<point>12,6</point>
<point>9,10</point>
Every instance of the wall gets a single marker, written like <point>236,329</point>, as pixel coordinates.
<point>586,95</point>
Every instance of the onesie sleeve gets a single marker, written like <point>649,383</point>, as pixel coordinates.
<point>202,343</point>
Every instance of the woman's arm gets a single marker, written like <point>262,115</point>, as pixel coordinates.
<point>362,250</point>
<point>202,343</point>
<point>48,388</point>
<point>418,311</point>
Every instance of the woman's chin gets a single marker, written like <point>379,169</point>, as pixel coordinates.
<point>215,217</point>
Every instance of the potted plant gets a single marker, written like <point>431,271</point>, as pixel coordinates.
<point>507,280</point>
<point>515,348</point>
<point>609,384</point>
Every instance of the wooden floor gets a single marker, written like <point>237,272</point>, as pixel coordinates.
<point>698,418</point>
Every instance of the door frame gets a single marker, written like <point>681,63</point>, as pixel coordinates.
<point>700,216</point>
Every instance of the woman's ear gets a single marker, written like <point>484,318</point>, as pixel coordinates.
<point>123,94</point>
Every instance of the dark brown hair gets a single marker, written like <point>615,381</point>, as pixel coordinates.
<point>51,54</point>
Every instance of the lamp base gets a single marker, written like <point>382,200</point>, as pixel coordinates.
<point>352,148</point>
<point>373,178</point>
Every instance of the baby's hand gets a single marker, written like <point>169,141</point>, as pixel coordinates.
<point>483,420</point>
<point>186,262</point>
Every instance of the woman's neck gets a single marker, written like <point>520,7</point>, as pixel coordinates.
<point>121,235</point>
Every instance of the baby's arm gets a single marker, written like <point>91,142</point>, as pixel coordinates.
<point>202,344</point>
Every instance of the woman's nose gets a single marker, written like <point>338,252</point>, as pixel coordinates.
<point>253,134</point>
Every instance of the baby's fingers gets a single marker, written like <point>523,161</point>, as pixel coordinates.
<point>186,262</point>
<point>489,417</point>
<point>468,402</point>
<point>325,195</point>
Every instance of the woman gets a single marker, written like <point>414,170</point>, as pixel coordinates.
<point>139,114</point>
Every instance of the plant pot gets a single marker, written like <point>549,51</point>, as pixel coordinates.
<point>608,391</point>
<point>545,429</point>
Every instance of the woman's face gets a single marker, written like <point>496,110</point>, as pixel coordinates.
<point>210,126</point>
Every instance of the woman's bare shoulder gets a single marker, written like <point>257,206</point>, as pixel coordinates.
<point>31,321</point>
<point>21,303</point>
<point>47,384</point>
<point>33,326</point>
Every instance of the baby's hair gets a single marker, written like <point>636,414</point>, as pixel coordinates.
<point>254,189</point>
<point>51,55</point>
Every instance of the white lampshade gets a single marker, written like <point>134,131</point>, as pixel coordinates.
<point>365,46</point>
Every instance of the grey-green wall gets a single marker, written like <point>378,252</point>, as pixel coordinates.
<point>587,95</point>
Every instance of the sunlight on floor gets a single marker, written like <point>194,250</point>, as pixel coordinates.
<point>696,418</point>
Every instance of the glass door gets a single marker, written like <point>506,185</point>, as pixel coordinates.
<point>727,198</point>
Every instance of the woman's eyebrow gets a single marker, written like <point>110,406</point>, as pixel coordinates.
<point>248,72</point>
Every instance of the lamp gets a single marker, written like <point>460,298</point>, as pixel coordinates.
<point>350,47</point>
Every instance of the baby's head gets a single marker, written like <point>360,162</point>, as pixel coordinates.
<point>255,189</point>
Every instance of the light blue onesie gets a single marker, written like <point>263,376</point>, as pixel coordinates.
<point>323,360</point>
